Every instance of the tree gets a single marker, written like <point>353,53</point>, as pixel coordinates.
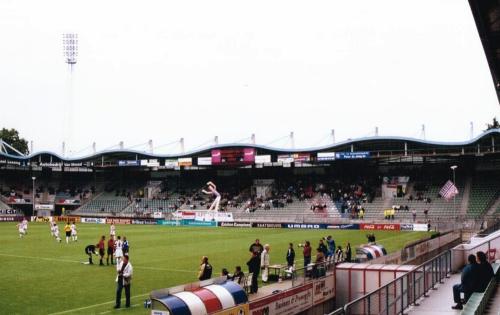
<point>11,137</point>
<point>494,125</point>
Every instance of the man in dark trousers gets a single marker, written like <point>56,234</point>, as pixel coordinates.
<point>101,247</point>
<point>90,250</point>
<point>290,256</point>
<point>123,280</point>
<point>484,272</point>
<point>254,268</point>
<point>468,284</point>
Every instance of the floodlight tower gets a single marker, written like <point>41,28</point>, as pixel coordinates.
<point>70,53</point>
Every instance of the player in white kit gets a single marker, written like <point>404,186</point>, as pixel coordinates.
<point>112,231</point>
<point>74,235</point>
<point>118,250</point>
<point>25,226</point>
<point>56,232</point>
<point>21,230</point>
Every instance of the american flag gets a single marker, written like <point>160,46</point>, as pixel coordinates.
<point>449,190</point>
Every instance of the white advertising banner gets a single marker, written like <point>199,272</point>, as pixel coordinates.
<point>93,220</point>
<point>288,302</point>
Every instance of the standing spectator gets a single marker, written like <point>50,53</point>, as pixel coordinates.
<point>339,254</point>
<point>256,247</point>
<point>123,280</point>
<point>290,256</point>
<point>254,268</point>
<point>307,253</point>
<point>468,283</point>
<point>323,248</point>
<point>348,252</point>
<point>111,250</point>
<point>225,273</point>
<point>205,269</point>
<point>101,246</point>
<point>484,273</point>
<point>264,263</point>
<point>237,275</point>
<point>414,214</point>
<point>331,248</point>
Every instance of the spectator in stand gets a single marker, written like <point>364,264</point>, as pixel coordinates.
<point>468,283</point>
<point>484,272</point>
<point>254,268</point>
<point>414,214</point>
<point>307,253</point>
<point>348,252</point>
<point>225,273</point>
<point>361,214</point>
<point>290,256</point>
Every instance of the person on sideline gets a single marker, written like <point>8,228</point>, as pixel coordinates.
<point>264,263</point>
<point>205,269</point>
<point>123,280</point>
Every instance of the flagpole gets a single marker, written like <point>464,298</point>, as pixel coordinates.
<point>453,168</point>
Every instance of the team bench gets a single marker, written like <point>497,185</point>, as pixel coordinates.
<point>477,302</point>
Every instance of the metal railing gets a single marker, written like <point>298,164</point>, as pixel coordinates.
<point>307,274</point>
<point>394,297</point>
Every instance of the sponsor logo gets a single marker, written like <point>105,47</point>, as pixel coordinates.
<point>406,227</point>
<point>303,226</point>
<point>235,224</point>
<point>117,221</point>
<point>10,219</point>
<point>267,225</point>
<point>148,222</point>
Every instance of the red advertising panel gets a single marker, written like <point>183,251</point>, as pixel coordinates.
<point>380,227</point>
<point>239,156</point>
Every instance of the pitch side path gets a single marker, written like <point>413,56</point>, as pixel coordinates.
<point>42,276</point>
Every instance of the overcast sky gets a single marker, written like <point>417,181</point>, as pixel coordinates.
<point>163,70</point>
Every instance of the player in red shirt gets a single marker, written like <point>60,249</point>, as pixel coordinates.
<point>111,250</point>
<point>101,245</point>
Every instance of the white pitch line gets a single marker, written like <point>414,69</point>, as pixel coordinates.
<point>120,309</point>
<point>77,261</point>
<point>95,305</point>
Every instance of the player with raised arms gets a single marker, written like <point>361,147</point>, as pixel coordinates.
<point>212,190</point>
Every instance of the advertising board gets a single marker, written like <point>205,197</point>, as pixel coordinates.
<point>380,227</point>
<point>288,302</point>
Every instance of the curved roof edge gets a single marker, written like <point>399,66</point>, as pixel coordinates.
<point>257,146</point>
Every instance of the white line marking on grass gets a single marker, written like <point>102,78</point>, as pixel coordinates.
<point>95,305</point>
<point>77,261</point>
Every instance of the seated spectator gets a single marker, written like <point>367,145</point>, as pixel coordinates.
<point>468,283</point>
<point>238,275</point>
<point>225,273</point>
<point>339,255</point>
<point>484,273</point>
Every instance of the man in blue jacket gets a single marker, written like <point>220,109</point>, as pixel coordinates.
<point>468,284</point>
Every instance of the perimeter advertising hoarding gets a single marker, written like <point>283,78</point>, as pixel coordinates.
<point>235,224</point>
<point>185,161</point>
<point>10,218</point>
<point>241,309</point>
<point>301,157</point>
<point>343,226</point>
<point>144,221</point>
<point>352,155</point>
<point>238,156</point>
<point>117,221</point>
<point>324,289</point>
<point>285,158</point>
<point>326,156</point>
<point>204,161</point>
<point>169,163</point>
<point>380,227</point>
<point>129,163</point>
<point>93,220</point>
<point>288,302</point>
<point>262,159</point>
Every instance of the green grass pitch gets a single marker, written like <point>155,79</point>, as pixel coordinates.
<point>41,276</point>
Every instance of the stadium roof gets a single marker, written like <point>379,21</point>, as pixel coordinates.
<point>377,146</point>
<point>487,16</point>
